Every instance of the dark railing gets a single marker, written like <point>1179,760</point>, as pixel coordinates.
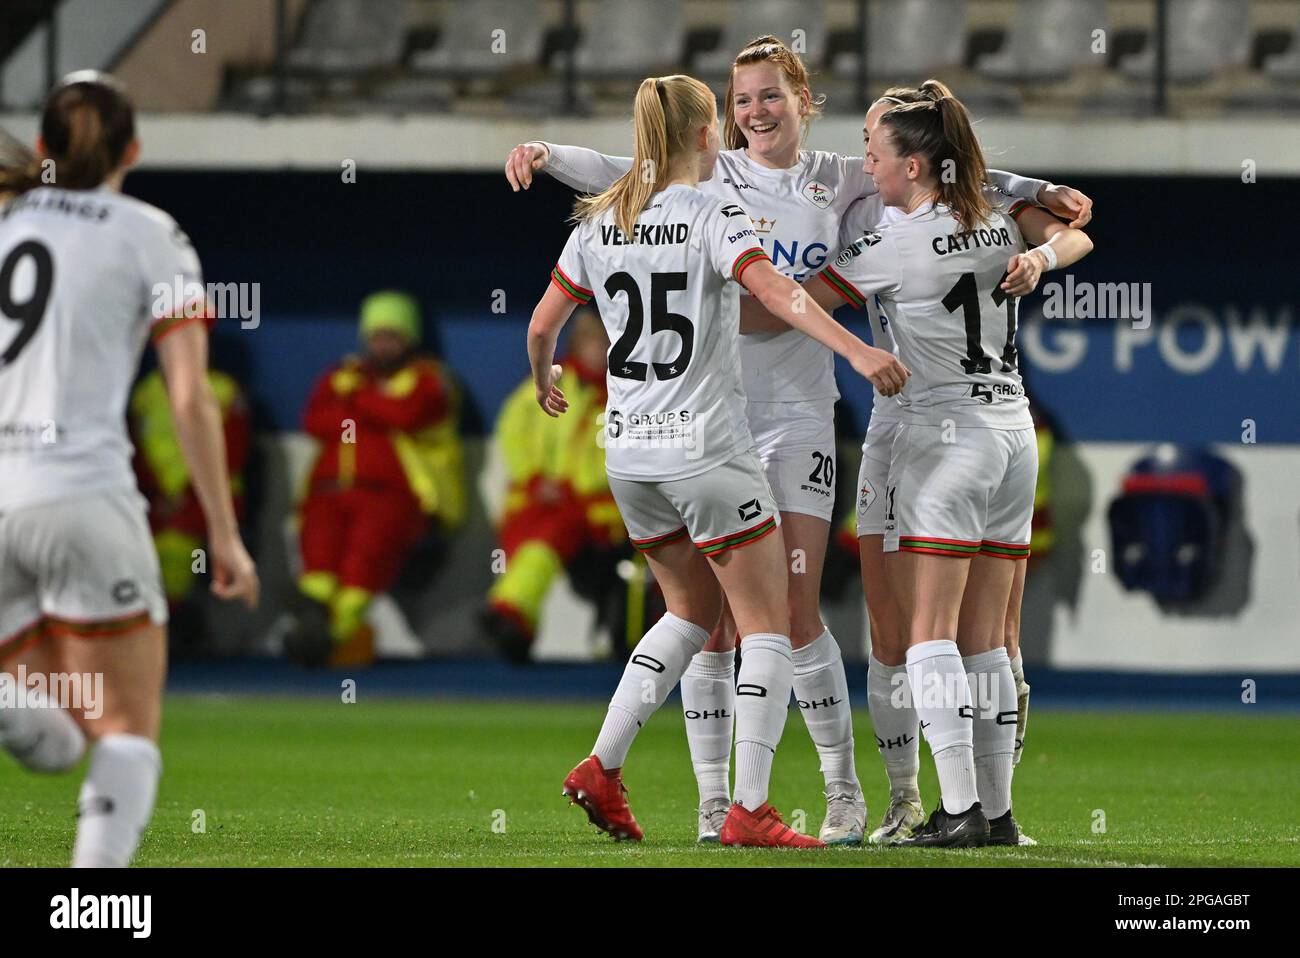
<point>1161,39</point>
<point>569,76</point>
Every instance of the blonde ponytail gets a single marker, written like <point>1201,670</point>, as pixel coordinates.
<point>667,112</point>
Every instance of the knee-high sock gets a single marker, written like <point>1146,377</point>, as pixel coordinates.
<point>116,800</point>
<point>762,701</point>
<point>1022,688</point>
<point>942,699</point>
<point>898,730</point>
<point>822,691</point>
<point>654,668</point>
<point>35,731</point>
<point>709,704</point>
<point>993,695</point>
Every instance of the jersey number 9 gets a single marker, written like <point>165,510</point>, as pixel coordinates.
<point>31,311</point>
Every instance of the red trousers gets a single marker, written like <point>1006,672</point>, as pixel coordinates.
<point>361,535</point>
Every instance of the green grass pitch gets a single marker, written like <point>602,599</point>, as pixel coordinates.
<point>391,782</point>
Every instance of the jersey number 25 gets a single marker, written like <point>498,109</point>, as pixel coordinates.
<point>621,363</point>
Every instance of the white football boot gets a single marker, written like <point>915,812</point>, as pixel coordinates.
<point>712,814</point>
<point>846,814</point>
<point>902,818</point>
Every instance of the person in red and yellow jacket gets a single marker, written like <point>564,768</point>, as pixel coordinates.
<point>389,460</point>
<point>558,499</point>
<point>175,516</point>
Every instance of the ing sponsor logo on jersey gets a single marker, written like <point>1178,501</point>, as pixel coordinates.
<point>818,194</point>
<point>764,225</point>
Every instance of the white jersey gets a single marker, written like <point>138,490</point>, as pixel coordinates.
<point>868,215</point>
<point>671,305</point>
<point>796,214</point>
<point>79,271</point>
<point>953,326</point>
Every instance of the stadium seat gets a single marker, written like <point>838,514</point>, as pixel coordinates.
<point>1205,37</point>
<point>350,36</point>
<point>1048,39</point>
<point>1286,65</point>
<point>781,18</point>
<point>465,44</point>
<point>631,38</point>
<point>910,39</point>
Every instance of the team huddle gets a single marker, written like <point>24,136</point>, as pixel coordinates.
<point>718,436</point>
<point>719,410</point>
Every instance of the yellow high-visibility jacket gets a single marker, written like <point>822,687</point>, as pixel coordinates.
<point>563,450</point>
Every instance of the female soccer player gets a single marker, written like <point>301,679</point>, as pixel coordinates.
<point>959,495</point>
<point>796,198</point>
<point>681,459</point>
<point>81,594</point>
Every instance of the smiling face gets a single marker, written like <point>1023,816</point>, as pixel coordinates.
<point>769,113</point>
<point>895,174</point>
<point>878,109</point>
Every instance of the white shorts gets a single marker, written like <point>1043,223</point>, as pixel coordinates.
<point>972,495</point>
<point>796,446</point>
<point>727,507</point>
<point>873,475</point>
<point>83,567</point>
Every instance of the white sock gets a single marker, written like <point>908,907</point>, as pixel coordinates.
<point>898,730</point>
<point>652,671</point>
<point>822,691</point>
<point>116,800</point>
<point>993,694</point>
<point>942,701</point>
<point>1018,673</point>
<point>762,701</point>
<point>709,704</point>
<point>41,736</point>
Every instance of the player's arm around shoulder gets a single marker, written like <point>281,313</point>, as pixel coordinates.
<point>788,301</point>
<point>757,318</point>
<point>1056,246</point>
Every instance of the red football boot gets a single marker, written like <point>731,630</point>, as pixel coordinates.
<point>763,829</point>
<point>600,795</point>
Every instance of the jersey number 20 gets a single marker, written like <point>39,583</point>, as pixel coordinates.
<point>621,363</point>
<point>31,311</point>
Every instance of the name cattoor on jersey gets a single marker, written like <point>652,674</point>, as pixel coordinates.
<point>953,325</point>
